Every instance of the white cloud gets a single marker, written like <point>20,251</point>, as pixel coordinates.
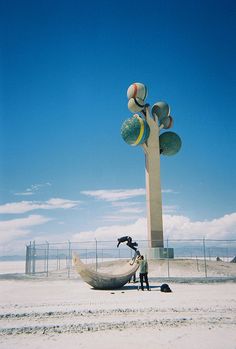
<point>112,195</point>
<point>119,218</point>
<point>139,207</point>
<point>13,229</point>
<point>169,191</point>
<point>175,227</point>
<point>124,203</point>
<point>131,210</point>
<point>136,230</point>
<point>132,213</point>
<point>182,227</point>
<point>25,193</point>
<point>169,208</point>
<point>115,194</point>
<point>26,206</point>
<point>33,189</point>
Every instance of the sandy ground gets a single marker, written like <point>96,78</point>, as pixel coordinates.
<point>40,312</point>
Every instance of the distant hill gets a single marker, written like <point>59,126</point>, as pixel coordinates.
<point>12,258</point>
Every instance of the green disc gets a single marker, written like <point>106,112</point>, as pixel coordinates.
<point>170,143</point>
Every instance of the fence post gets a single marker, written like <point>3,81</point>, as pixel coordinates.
<point>57,260</point>
<point>168,260</point>
<point>69,258</point>
<point>204,252</point>
<point>27,260</point>
<point>96,246</point>
<point>47,253</point>
<point>45,258</point>
<point>34,256</point>
<point>30,258</point>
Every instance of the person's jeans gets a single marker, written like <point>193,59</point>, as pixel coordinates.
<point>145,277</point>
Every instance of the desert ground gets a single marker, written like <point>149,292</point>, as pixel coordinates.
<point>54,311</point>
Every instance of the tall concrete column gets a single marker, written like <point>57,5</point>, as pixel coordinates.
<point>153,183</point>
<point>146,133</point>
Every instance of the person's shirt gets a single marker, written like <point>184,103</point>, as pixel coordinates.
<point>143,266</point>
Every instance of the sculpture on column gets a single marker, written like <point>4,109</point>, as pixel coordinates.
<point>143,129</point>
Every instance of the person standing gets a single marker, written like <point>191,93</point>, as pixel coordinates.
<point>143,272</point>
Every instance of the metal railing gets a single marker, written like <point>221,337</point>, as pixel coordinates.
<point>55,257</point>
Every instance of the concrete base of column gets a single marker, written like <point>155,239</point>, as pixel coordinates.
<point>159,253</point>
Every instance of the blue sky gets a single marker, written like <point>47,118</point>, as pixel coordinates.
<point>65,66</point>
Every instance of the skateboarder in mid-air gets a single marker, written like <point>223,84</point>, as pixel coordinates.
<point>129,243</point>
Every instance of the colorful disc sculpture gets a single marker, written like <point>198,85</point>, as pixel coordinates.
<point>170,143</point>
<point>135,130</point>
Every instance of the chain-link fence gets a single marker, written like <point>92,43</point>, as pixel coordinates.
<point>201,254</point>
